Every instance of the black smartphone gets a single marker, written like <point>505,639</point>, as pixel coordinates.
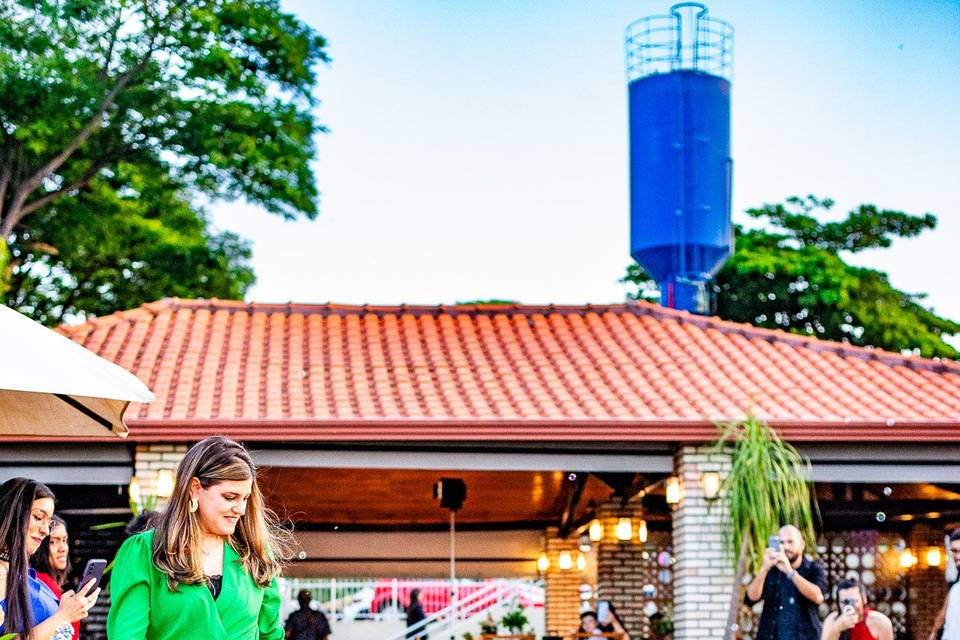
<point>774,542</point>
<point>93,571</point>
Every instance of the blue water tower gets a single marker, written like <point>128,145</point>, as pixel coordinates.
<point>678,73</point>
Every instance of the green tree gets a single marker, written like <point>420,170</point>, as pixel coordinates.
<point>791,276</point>
<point>107,249</point>
<point>113,110</point>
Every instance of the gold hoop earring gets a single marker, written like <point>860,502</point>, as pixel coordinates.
<point>194,505</point>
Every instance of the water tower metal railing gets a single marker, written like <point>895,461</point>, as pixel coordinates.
<point>679,68</point>
<point>662,44</point>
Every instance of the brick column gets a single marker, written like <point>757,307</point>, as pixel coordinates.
<point>928,586</point>
<point>563,586</point>
<point>704,575</point>
<point>624,568</point>
<point>150,459</point>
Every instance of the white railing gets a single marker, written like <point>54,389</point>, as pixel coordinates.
<point>386,600</point>
<point>467,612</point>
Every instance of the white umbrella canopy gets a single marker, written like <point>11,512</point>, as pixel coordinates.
<point>52,386</point>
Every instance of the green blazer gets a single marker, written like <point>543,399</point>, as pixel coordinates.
<point>143,608</point>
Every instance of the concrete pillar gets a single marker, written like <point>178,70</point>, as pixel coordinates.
<point>704,575</point>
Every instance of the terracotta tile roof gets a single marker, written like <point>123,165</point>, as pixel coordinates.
<point>616,372</point>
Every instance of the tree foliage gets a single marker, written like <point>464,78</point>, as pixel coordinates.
<point>791,276</point>
<point>120,118</point>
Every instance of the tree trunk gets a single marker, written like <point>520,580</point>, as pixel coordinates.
<point>730,632</point>
<point>6,268</point>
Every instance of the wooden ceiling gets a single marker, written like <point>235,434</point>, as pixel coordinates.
<point>356,498</point>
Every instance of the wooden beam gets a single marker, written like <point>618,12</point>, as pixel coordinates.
<point>573,499</point>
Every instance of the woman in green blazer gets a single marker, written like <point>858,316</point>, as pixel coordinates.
<point>209,569</point>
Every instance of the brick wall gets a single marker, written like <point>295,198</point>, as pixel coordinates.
<point>703,575</point>
<point>150,458</point>
<point>563,586</point>
<point>625,568</point>
<point>928,587</point>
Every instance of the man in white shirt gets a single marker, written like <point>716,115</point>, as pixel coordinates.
<point>949,615</point>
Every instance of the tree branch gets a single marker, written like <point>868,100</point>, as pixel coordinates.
<point>108,58</point>
<point>6,172</point>
<point>50,196</point>
<point>17,212</point>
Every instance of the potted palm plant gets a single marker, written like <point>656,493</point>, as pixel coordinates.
<point>515,621</point>
<point>768,485</point>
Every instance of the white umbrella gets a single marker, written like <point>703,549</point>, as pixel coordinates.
<point>51,386</point>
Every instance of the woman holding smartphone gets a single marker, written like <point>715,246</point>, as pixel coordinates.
<point>29,607</point>
<point>209,568</point>
<point>52,561</point>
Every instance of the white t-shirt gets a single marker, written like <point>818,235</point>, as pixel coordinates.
<point>951,625</point>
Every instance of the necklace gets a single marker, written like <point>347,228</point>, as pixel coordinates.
<point>5,555</point>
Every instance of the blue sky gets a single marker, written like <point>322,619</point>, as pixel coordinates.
<point>479,149</point>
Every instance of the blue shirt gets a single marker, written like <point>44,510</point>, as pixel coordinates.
<point>43,603</point>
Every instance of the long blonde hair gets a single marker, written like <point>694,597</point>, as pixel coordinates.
<point>259,540</point>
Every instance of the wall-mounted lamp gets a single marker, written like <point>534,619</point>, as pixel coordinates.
<point>565,561</point>
<point>907,559</point>
<point>673,490</point>
<point>164,483</point>
<point>595,531</point>
<point>710,480</point>
<point>933,556</point>
<point>642,531</point>
<point>134,490</point>
<point>543,562</point>
<point>581,562</point>
<point>624,529</point>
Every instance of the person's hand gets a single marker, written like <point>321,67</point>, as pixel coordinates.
<point>836,623</point>
<point>782,562</point>
<point>847,620</point>
<point>75,605</point>
<point>770,558</point>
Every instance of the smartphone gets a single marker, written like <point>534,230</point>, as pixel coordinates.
<point>603,611</point>
<point>846,606</point>
<point>93,571</point>
<point>774,542</point>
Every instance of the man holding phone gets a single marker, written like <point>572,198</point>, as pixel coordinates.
<point>854,621</point>
<point>791,587</point>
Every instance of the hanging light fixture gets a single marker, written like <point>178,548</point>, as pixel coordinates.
<point>581,562</point>
<point>565,561</point>
<point>543,562</point>
<point>907,559</point>
<point>595,530</point>
<point>933,556</point>
<point>624,529</point>
<point>673,490</point>
<point>164,483</point>
<point>642,533</point>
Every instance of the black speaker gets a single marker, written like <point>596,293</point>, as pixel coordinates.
<point>451,492</point>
